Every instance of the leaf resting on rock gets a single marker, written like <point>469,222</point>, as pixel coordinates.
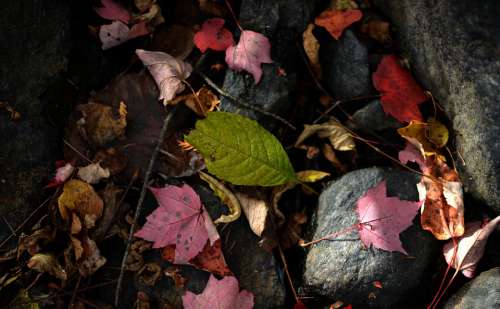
<point>335,21</point>
<point>237,149</point>
<point>213,35</point>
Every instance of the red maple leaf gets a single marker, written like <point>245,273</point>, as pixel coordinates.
<point>335,21</point>
<point>213,35</point>
<point>401,94</point>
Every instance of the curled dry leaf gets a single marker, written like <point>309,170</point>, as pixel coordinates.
<point>80,197</point>
<point>252,50</point>
<point>377,30</point>
<point>254,204</point>
<point>335,21</point>
<point>311,47</point>
<point>91,259</point>
<point>149,274</point>
<point>201,102</point>
<point>93,173</point>
<point>443,208</point>
<point>100,124</point>
<point>45,262</point>
<point>226,196</point>
<point>135,260</point>
<point>213,35</point>
<point>470,247</point>
<point>338,136</point>
<point>168,72</point>
<point>415,133</point>
<point>330,155</point>
<point>34,242</point>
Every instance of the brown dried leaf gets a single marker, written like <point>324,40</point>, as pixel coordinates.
<point>338,136</point>
<point>311,47</point>
<point>34,242</point>
<point>111,196</point>
<point>91,258</point>
<point>291,234</point>
<point>93,173</point>
<point>80,197</point>
<point>100,124</point>
<point>149,274</point>
<point>377,30</point>
<point>44,262</point>
<point>112,160</point>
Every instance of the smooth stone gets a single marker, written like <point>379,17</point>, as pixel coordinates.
<point>373,117</point>
<point>343,269</point>
<point>454,52</point>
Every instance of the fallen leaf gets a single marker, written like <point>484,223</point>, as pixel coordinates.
<point>338,136</point>
<point>100,124</point>
<point>111,159</point>
<point>411,154</point>
<point>255,155</point>
<point>149,274</point>
<point>44,262</point>
<point>222,294</point>
<point>377,30</point>
<point>213,35</point>
<point>93,173</point>
<point>470,246</point>
<point>23,301</point>
<point>330,155</point>
<point>36,241</point>
<point>91,259</point>
<point>383,218</point>
<point>112,11</point>
<point>201,102</point>
<point>290,236</point>
<point>252,50</point>
<point>168,72</point>
<point>63,172</point>
<point>311,175</point>
<point>335,21</point>
<point>311,47</point>
<point>211,259</point>
<point>401,94</point>
<point>179,220</point>
<point>118,33</point>
<point>111,196</point>
<point>255,207</point>
<point>226,196</point>
<point>80,197</point>
<point>436,133</point>
<point>415,134</point>
<point>135,259</point>
<point>176,40</point>
<point>442,211</point>
<point>175,273</point>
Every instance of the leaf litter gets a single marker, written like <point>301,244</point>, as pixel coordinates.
<point>111,136</point>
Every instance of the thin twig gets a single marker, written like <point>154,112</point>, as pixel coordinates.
<point>145,184</point>
<point>244,104</point>
<point>77,151</point>
<point>75,291</point>
<point>285,266</point>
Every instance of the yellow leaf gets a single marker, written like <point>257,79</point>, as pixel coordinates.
<point>415,134</point>
<point>226,196</point>
<point>436,133</point>
<point>311,175</point>
<point>79,197</point>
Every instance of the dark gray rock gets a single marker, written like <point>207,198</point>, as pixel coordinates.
<point>345,67</point>
<point>454,52</point>
<point>373,117</point>
<point>342,269</point>
<point>34,37</point>
<point>282,22</point>
<point>482,292</point>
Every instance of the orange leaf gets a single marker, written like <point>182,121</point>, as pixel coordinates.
<point>336,21</point>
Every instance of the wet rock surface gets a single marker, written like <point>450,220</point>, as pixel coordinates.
<point>481,292</point>
<point>280,21</point>
<point>342,269</point>
<point>35,38</point>
<point>345,67</point>
<point>372,116</point>
<point>454,52</point>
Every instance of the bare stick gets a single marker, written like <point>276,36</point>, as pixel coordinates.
<point>285,266</point>
<point>244,104</point>
<point>145,184</point>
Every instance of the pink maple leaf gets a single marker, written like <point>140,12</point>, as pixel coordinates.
<point>220,294</point>
<point>252,50</point>
<point>411,154</point>
<point>213,35</point>
<point>179,220</point>
<point>113,11</point>
<point>169,72</point>
<point>471,246</point>
<point>382,218</point>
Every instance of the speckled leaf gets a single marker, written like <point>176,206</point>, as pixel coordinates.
<point>237,149</point>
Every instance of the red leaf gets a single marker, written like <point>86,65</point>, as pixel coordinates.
<point>212,35</point>
<point>180,220</point>
<point>335,21</point>
<point>113,11</point>
<point>382,218</point>
<point>252,50</point>
<point>220,294</point>
<point>299,305</point>
<point>401,94</point>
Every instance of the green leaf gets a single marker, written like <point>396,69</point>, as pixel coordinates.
<point>237,149</point>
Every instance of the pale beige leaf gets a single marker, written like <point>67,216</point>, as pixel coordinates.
<point>311,47</point>
<point>255,207</point>
<point>43,262</point>
<point>93,173</point>
<point>338,136</point>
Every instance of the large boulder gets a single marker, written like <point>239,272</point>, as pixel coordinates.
<point>454,52</point>
<point>343,269</point>
<point>482,292</point>
<point>35,45</point>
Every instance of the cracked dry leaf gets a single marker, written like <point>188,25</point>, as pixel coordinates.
<point>100,124</point>
<point>226,196</point>
<point>44,262</point>
<point>80,197</point>
<point>311,47</point>
<point>338,136</point>
<point>93,173</point>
